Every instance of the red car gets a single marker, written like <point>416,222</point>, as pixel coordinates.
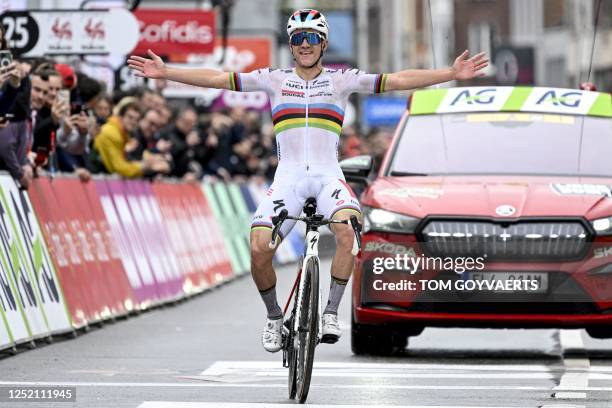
<point>492,208</point>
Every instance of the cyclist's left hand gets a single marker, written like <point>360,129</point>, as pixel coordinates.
<point>468,68</point>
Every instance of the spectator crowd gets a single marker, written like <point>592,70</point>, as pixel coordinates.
<point>53,119</point>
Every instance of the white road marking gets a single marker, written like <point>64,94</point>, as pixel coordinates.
<point>169,404</point>
<point>577,376</point>
<point>224,367</point>
<point>282,385</point>
<point>571,340</point>
<point>245,371</point>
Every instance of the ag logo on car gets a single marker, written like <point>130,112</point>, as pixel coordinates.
<point>505,210</point>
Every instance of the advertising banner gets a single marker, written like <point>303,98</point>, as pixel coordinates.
<point>67,32</point>
<point>13,316</point>
<point>48,212</point>
<point>161,236</point>
<point>214,246</point>
<point>189,235</point>
<point>241,223</point>
<point>135,196</point>
<point>73,208</point>
<point>201,254</point>
<point>97,254</point>
<point>130,228</point>
<point>107,252</point>
<point>223,214</point>
<point>136,225</point>
<point>144,290</point>
<point>168,198</point>
<point>106,299</point>
<point>170,31</point>
<point>14,261</point>
<point>39,262</point>
<point>243,54</point>
<point>5,330</point>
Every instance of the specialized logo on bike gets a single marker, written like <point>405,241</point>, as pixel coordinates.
<point>313,242</point>
<point>278,204</point>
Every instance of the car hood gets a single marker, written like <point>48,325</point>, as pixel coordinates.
<point>488,196</point>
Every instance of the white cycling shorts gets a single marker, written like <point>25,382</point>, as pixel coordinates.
<point>333,195</point>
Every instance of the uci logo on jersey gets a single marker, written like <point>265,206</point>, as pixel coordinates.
<point>482,97</point>
<point>567,99</point>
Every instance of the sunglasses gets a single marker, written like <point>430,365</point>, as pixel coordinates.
<point>312,38</point>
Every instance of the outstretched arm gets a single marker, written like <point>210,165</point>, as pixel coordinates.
<point>154,67</point>
<point>463,68</point>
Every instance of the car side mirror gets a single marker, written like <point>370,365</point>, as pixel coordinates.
<point>357,169</point>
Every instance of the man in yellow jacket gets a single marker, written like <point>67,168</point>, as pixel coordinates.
<point>114,135</point>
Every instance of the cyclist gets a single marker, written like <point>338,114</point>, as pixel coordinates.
<point>308,104</point>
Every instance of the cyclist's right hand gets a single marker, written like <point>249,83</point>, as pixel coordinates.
<point>152,67</point>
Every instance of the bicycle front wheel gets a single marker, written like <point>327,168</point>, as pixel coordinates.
<point>306,337</point>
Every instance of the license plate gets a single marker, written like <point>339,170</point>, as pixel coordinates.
<point>540,277</point>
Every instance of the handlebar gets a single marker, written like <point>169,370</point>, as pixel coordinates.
<point>317,220</point>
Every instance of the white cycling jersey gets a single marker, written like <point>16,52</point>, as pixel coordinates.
<point>307,117</point>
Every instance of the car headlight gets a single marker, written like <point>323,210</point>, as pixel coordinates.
<point>376,219</point>
<point>602,226</point>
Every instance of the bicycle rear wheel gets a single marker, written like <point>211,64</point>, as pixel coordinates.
<point>306,337</point>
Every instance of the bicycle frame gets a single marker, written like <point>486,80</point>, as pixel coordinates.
<point>311,250</point>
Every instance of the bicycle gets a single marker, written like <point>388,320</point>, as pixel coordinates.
<point>301,331</point>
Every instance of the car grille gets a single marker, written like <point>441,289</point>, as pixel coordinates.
<point>509,241</point>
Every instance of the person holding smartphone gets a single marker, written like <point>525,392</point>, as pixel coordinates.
<point>75,135</point>
<point>10,79</point>
<point>49,116</point>
<point>17,95</point>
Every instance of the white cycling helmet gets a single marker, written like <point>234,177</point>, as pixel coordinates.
<point>308,19</point>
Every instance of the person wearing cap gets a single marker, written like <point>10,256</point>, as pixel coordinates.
<point>308,104</point>
<point>69,78</point>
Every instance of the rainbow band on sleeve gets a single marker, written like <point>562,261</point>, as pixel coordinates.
<point>379,86</point>
<point>235,83</point>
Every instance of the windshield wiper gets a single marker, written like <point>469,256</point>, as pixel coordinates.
<point>407,174</point>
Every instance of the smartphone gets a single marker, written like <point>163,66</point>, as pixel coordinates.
<point>76,108</point>
<point>64,96</point>
<point>6,59</point>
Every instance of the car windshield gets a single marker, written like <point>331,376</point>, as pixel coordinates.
<point>504,143</point>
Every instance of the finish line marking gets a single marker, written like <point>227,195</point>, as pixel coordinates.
<point>283,385</point>
<point>168,404</point>
<point>250,371</point>
<point>230,367</point>
<point>576,377</point>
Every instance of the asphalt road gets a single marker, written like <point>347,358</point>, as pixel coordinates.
<point>206,352</point>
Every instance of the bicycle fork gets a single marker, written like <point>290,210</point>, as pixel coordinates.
<point>311,250</point>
